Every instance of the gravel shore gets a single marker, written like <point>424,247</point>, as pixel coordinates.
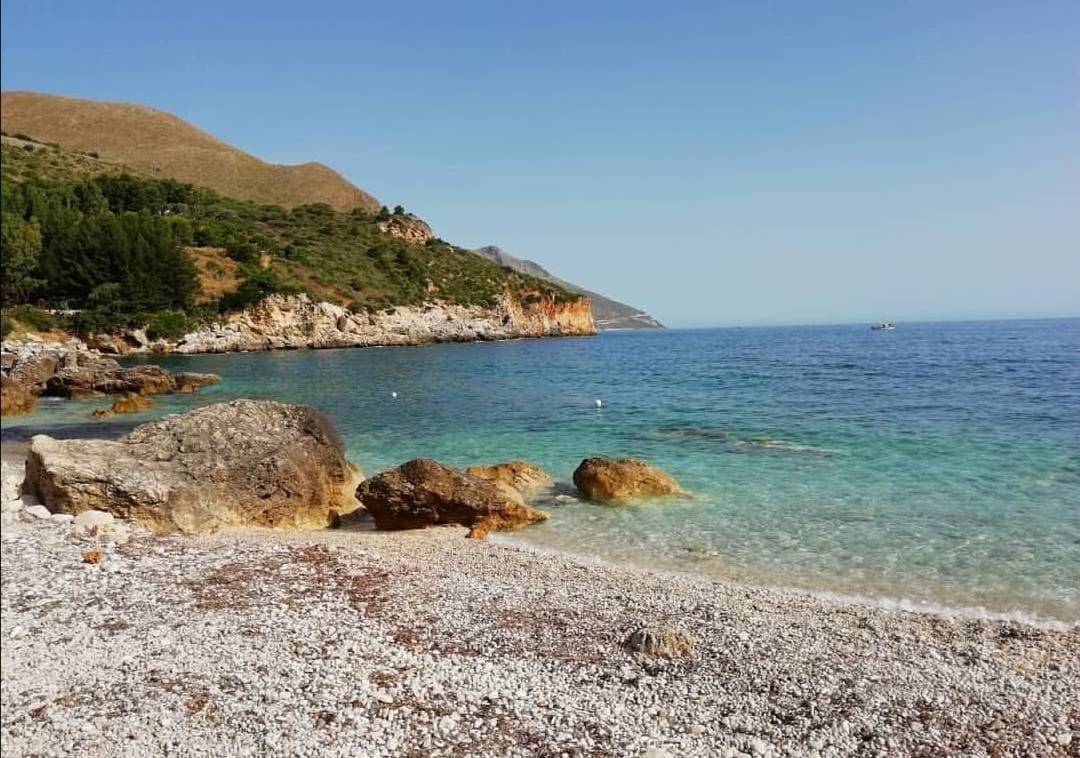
<point>358,643</point>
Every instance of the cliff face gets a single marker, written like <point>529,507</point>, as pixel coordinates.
<point>280,322</point>
<point>608,313</point>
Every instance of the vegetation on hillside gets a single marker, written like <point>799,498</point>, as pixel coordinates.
<point>162,145</point>
<point>80,234</point>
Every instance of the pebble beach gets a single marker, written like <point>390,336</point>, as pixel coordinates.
<point>352,642</point>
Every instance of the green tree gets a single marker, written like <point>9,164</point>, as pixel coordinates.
<point>20,249</point>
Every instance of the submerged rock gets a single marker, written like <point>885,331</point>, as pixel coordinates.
<point>606,480</point>
<point>524,478</point>
<point>129,403</point>
<point>424,493</point>
<point>244,462</point>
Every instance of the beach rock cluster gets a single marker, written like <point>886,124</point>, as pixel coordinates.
<point>424,493</point>
<point>238,463</point>
<point>70,369</point>
<point>607,480</point>
<point>288,322</point>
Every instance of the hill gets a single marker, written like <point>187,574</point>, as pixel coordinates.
<point>129,249</point>
<point>608,313</point>
<point>161,145</point>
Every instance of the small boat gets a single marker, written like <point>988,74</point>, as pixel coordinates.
<point>884,326</point>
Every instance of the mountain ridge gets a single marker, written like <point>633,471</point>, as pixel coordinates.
<point>159,143</point>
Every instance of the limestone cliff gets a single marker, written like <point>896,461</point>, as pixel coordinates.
<point>406,227</point>
<point>287,322</point>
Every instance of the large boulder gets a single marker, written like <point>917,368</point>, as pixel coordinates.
<point>524,478</point>
<point>244,462</point>
<point>16,398</point>
<point>424,493</point>
<point>608,480</point>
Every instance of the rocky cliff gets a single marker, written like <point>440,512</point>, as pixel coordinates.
<point>281,322</point>
<point>608,313</point>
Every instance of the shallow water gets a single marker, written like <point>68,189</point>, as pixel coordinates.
<point>939,462</point>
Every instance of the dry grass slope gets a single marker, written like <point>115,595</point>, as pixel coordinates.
<point>160,144</point>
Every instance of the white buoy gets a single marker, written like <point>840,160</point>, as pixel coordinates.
<point>393,395</point>
<point>599,403</point>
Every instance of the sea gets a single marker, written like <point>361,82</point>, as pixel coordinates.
<point>934,467</point>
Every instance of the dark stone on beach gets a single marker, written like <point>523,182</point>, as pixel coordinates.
<point>241,463</point>
<point>424,493</point>
<point>608,480</point>
<point>661,641</point>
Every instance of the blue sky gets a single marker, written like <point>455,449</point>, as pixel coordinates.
<point>715,163</point>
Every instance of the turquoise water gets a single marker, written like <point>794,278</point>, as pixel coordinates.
<point>938,463</point>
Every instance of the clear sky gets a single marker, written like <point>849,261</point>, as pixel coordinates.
<point>713,162</point>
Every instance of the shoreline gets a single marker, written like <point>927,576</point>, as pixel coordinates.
<point>14,452</point>
<point>884,602</point>
<point>253,641</point>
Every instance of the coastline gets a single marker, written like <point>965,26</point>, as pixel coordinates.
<point>353,641</point>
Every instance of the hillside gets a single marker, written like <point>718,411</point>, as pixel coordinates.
<point>608,313</point>
<point>83,233</point>
<point>162,145</point>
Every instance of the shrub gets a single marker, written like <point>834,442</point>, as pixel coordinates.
<point>6,326</point>
<point>169,325</point>
<point>35,318</point>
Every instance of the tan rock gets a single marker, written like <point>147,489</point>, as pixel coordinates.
<point>132,403</point>
<point>408,228</point>
<point>608,480</point>
<point>238,463</point>
<point>424,493</point>
<point>16,398</point>
<point>524,478</point>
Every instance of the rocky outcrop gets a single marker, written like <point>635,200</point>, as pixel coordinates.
<point>607,480</point>
<point>523,478</point>
<point>129,403</point>
<point>16,399</point>
<point>71,369</point>
<point>238,463</point>
<point>288,322</point>
<point>408,228</point>
<point>608,313</point>
<point>424,493</point>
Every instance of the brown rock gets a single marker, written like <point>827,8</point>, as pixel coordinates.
<point>16,398</point>
<point>661,641</point>
<point>238,463</point>
<point>92,556</point>
<point>524,478</point>
<point>132,403</point>
<point>189,381</point>
<point>607,480</point>
<point>424,493</point>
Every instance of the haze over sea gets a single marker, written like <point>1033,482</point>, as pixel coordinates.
<point>939,463</point>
